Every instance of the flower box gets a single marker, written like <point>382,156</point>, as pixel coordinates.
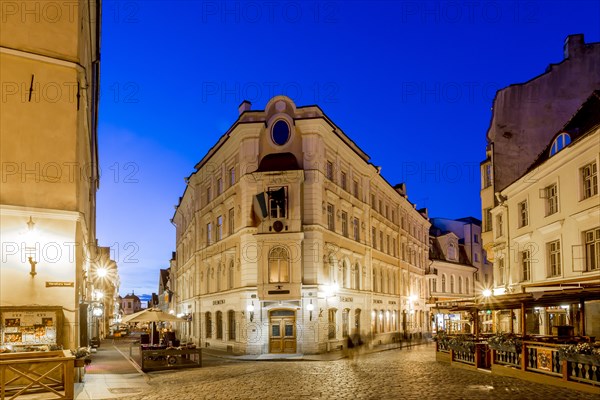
<point>512,348</point>
<point>592,359</point>
<point>79,362</point>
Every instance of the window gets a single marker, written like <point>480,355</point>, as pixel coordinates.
<point>387,243</point>
<point>460,288</point>
<point>554,258</point>
<point>467,288</point>
<point>329,170</point>
<point>486,172</point>
<point>343,181</point>
<point>231,324</point>
<point>551,194</point>
<point>476,257</point>
<point>232,176</point>
<point>380,209</point>
<point>487,223</point>
<point>345,322</point>
<point>395,247</point>
<point>208,194</point>
<point>387,210</point>
<point>355,189</point>
<point>432,286</point>
<point>209,233</point>
<point>280,133</point>
<point>345,223</point>
<point>393,216</point>
<point>523,214</point>
<point>279,266</point>
<point>443,283</point>
<point>219,325</point>
<point>451,252</point>
<point>356,229</point>
<point>231,221</point>
<point>499,226</point>
<point>560,143</point>
<point>345,274</point>
<point>500,272</point>
<point>331,320</point>
<point>373,202</point>
<point>381,241</point>
<point>374,280</point>
<point>589,176</point>
<point>330,217</point>
<point>356,276</point>
<point>277,202</point>
<point>208,323</point>
<point>230,276</point>
<point>374,237</point>
<point>592,249</point>
<point>357,319</point>
<point>219,227</point>
<point>526,265</point>
<point>476,238</point>
<point>451,283</point>
<point>219,186</point>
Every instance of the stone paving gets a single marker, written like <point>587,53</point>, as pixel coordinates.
<point>394,374</point>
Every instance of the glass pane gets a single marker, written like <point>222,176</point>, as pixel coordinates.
<point>289,330</point>
<point>275,330</point>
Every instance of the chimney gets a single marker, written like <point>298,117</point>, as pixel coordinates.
<point>574,46</point>
<point>245,106</point>
<point>401,189</point>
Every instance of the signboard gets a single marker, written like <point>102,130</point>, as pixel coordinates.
<point>28,327</point>
<point>60,284</point>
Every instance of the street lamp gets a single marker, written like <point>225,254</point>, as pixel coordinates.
<point>250,309</point>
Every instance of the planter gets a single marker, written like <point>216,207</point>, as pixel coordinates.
<point>79,362</point>
<point>592,359</point>
<point>512,348</point>
<point>463,348</point>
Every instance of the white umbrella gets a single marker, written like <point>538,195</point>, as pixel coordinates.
<point>152,315</point>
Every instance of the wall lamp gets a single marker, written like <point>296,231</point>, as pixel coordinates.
<point>250,310</point>
<point>30,249</point>
<point>310,309</point>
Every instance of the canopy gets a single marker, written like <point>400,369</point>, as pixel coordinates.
<point>151,315</point>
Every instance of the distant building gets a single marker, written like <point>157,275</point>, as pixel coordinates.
<point>458,269</point>
<point>289,239</point>
<point>164,292</point>
<point>130,304</point>
<point>526,116</point>
<point>546,227</point>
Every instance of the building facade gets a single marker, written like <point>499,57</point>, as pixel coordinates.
<point>526,116</point>
<point>458,269</point>
<point>49,77</point>
<point>546,227</point>
<point>289,239</point>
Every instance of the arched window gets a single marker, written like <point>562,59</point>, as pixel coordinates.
<point>231,324</point>
<point>451,283</point>
<point>279,265</point>
<point>219,325</point>
<point>560,143</point>
<point>443,283</point>
<point>230,276</point>
<point>332,326</point>
<point>374,281</point>
<point>357,319</point>
<point>345,274</point>
<point>467,289</point>
<point>356,277</point>
<point>460,284</point>
<point>345,322</point>
<point>208,324</point>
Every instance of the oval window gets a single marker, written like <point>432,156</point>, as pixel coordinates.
<point>281,132</point>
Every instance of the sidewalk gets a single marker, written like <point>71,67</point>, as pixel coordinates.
<point>110,375</point>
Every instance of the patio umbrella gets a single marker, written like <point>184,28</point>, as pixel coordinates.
<point>152,315</point>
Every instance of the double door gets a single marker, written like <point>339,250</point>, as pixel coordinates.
<point>282,331</point>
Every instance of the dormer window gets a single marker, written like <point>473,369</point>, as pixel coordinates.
<point>277,202</point>
<point>560,143</point>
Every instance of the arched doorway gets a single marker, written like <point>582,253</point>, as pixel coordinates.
<point>282,331</point>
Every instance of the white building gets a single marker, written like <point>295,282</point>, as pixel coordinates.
<point>288,239</point>
<point>546,228</point>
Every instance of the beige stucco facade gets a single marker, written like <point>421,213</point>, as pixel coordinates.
<point>546,228</point>
<point>49,70</point>
<point>307,272</point>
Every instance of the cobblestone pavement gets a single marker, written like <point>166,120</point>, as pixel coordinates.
<point>395,374</point>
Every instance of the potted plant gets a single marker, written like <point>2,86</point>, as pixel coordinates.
<point>505,342</point>
<point>442,340</point>
<point>81,356</point>
<point>584,353</point>
<point>462,343</point>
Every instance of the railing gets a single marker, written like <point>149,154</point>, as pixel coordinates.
<point>156,360</point>
<point>583,370</point>
<point>542,358</point>
<point>25,373</point>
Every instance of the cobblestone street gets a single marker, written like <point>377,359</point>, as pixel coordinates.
<point>395,374</point>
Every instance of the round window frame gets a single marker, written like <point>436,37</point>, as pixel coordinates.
<point>289,136</point>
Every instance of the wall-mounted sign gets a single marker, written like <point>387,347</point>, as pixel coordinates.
<point>346,299</point>
<point>391,302</point>
<point>60,284</point>
<point>217,302</point>
<point>377,301</point>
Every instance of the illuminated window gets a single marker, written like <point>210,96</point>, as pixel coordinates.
<point>525,265</point>
<point>219,227</point>
<point>551,194</point>
<point>332,326</point>
<point>345,322</point>
<point>486,174</point>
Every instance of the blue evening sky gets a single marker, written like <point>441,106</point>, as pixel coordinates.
<point>411,82</point>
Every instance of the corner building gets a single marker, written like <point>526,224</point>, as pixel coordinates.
<point>289,239</point>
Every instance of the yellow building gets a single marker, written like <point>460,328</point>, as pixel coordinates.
<point>546,228</point>
<point>49,75</point>
<point>289,239</point>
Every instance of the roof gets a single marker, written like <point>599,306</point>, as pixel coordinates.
<point>582,123</point>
